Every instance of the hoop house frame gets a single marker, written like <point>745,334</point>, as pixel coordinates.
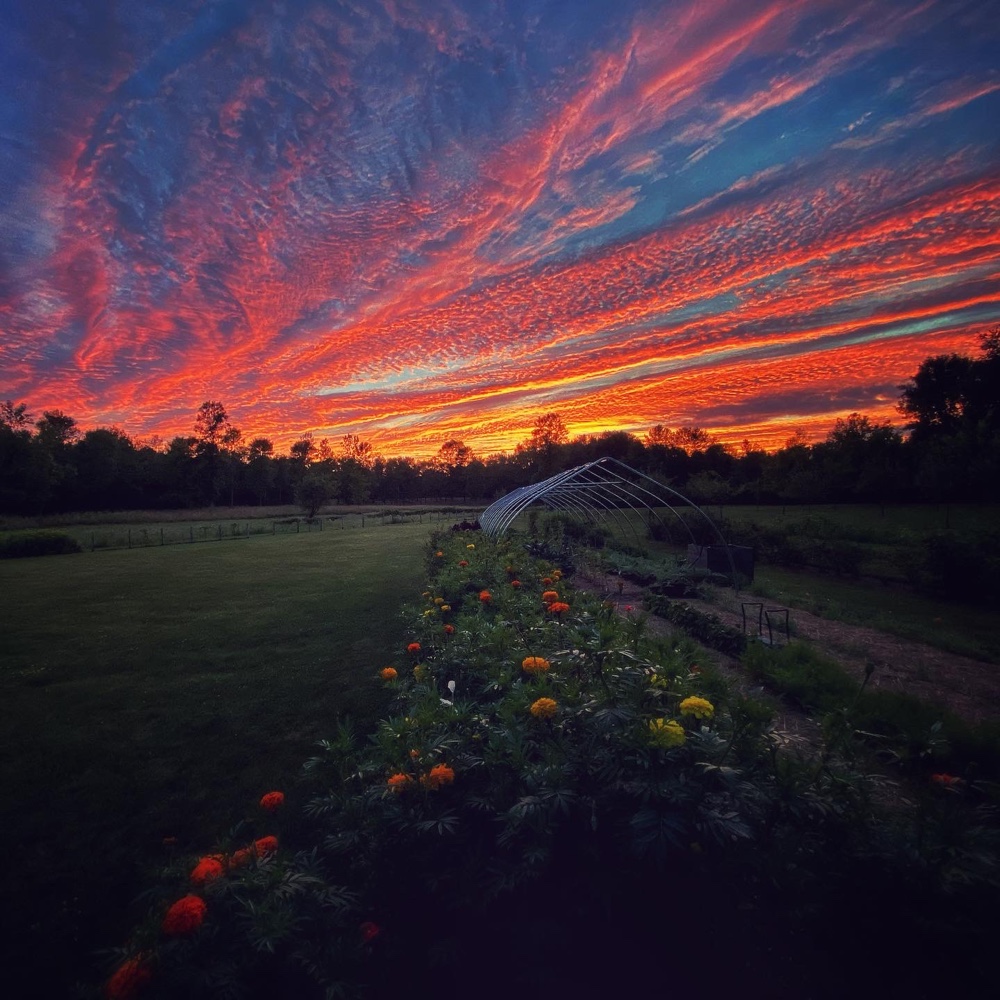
<point>602,490</point>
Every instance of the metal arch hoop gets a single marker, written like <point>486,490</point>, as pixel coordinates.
<point>599,489</point>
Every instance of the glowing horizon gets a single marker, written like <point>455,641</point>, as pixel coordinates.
<point>423,221</point>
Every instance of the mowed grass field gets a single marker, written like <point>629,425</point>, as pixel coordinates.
<point>157,693</point>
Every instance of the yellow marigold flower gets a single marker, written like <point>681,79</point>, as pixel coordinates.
<point>700,708</point>
<point>535,665</point>
<point>439,601</point>
<point>446,607</point>
<point>440,775</point>
<point>388,673</point>
<point>430,611</point>
<point>470,546</point>
<point>666,734</point>
<point>399,782</point>
<point>426,593</point>
<point>550,595</point>
<point>420,671</point>
<point>544,708</point>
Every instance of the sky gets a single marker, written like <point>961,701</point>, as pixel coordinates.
<point>419,221</point>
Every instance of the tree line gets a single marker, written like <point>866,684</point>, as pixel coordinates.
<point>947,450</point>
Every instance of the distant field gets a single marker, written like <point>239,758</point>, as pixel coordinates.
<point>157,693</point>
<point>146,528</point>
<point>871,519</point>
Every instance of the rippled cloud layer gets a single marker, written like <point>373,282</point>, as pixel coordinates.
<point>416,221</point>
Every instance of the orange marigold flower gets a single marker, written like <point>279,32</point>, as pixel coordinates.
<point>558,607</point>
<point>544,708</point>
<point>266,845</point>
<point>440,774</point>
<point>414,647</point>
<point>515,584</point>
<point>463,563</point>
<point>550,595</point>
<point>535,665</point>
<point>945,779</point>
<point>414,754</point>
<point>369,930</point>
<point>241,857</point>
<point>388,673</point>
<point>272,801</point>
<point>399,782</point>
<point>485,596</point>
<point>185,916</point>
<point>439,554</point>
<point>449,630</point>
<point>446,607</point>
<point>546,580</point>
<point>129,978</point>
<point>206,870</point>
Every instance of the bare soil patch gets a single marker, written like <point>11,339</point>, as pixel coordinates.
<point>969,688</point>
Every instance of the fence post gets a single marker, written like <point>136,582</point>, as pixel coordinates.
<point>273,528</point>
<point>248,529</point>
<point>321,524</point>
<point>92,542</point>
<point>130,538</point>
<point>161,536</point>
<point>297,526</point>
<point>362,520</point>
<point>220,532</point>
<point>191,533</point>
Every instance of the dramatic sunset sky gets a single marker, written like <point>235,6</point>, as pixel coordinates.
<point>415,221</point>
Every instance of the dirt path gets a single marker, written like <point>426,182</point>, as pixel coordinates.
<point>970,688</point>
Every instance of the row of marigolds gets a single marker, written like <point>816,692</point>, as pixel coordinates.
<point>186,915</point>
<point>521,710</point>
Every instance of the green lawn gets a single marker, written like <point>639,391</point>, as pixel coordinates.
<point>156,693</point>
<point>957,628</point>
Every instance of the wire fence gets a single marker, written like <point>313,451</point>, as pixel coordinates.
<point>132,536</point>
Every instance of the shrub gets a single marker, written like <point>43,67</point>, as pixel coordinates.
<point>38,543</point>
